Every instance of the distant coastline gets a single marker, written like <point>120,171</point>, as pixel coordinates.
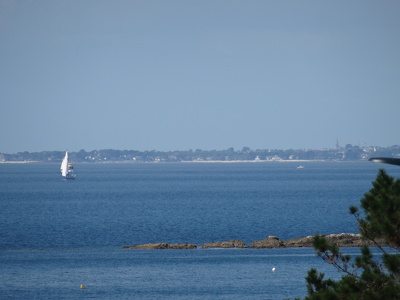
<point>348,153</point>
<point>184,161</point>
<point>20,162</point>
<point>251,161</point>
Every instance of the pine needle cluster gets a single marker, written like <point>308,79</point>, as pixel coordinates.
<point>365,277</point>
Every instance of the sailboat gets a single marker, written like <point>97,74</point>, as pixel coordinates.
<point>67,169</point>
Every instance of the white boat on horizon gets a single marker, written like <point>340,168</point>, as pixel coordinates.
<point>67,169</point>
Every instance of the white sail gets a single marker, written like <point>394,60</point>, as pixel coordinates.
<point>64,165</point>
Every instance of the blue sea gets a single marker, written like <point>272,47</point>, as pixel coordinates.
<point>56,234</point>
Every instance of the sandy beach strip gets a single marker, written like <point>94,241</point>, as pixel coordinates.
<point>247,161</point>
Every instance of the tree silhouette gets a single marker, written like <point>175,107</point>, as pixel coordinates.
<point>365,277</point>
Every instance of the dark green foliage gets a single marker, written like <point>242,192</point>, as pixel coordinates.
<point>365,277</point>
<point>382,207</point>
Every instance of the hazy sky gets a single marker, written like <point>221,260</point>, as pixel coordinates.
<point>210,74</point>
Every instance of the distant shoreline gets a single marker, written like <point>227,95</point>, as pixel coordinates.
<point>250,161</point>
<point>246,155</point>
<point>183,161</point>
<point>20,162</point>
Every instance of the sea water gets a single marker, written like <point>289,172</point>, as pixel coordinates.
<point>56,234</point>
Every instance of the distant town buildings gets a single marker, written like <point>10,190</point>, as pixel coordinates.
<point>347,153</point>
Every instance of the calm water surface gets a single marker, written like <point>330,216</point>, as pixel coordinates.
<point>56,234</point>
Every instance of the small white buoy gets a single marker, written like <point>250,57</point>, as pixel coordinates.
<point>273,269</point>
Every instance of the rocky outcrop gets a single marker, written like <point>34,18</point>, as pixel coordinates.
<point>162,246</point>
<point>269,242</point>
<point>341,240</point>
<point>346,240</point>
<point>300,242</point>
<point>229,244</point>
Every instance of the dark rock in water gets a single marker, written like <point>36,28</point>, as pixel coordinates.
<point>300,242</point>
<point>346,240</point>
<point>182,246</point>
<point>341,240</point>
<point>269,242</point>
<point>229,244</point>
<point>353,240</point>
<point>162,246</point>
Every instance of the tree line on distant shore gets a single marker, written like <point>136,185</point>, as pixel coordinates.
<point>347,153</point>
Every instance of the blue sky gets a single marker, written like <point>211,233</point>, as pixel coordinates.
<point>210,74</point>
